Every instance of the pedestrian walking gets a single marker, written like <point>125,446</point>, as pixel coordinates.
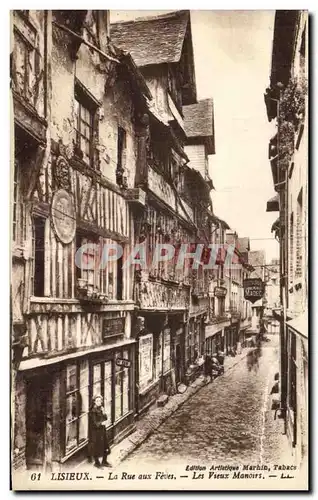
<point>98,442</point>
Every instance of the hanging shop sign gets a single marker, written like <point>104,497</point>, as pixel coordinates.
<point>220,291</point>
<point>123,362</point>
<point>253,289</point>
<point>63,216</point>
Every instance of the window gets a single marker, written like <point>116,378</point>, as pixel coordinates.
<point>85,125</point>
<point>26,62</point>
<point>38,245</point>
<point>121,389</point>
<point>145,361</point>
<point>121,157</point>
<point>89,277</point>
<point>77,405</point>
<point>102,376</point>
<point>299,235</point>
<point>92,29</point>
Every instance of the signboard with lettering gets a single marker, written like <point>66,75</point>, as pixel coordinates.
<point>220,291</point>
<point>123,362</point>
<point>253,289</point>
<point>113,326</point>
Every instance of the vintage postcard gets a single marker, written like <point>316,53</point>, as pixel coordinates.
<point>159,242</point>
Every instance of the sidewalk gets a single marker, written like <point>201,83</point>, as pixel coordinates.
<point>150,422</point>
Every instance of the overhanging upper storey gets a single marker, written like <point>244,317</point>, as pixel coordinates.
<point>162,40</point>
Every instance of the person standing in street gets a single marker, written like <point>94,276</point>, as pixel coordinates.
<point>98,442</point>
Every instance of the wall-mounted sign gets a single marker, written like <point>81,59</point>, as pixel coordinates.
<point>63,216</point>
<point>123,362</point>
<point>254,289</point>
<point>220,291</point>
<point>113,326</point>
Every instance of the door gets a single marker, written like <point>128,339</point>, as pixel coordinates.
<point>38,422</point>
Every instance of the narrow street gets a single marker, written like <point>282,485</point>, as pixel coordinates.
<point>228,421</point>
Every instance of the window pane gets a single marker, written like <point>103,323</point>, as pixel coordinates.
<point>125,390</point>
<point>97,389</point>
<point>83,400</point>
<point>97,373</point>
<point>71,378</point>
<point>118,395</point>
<point>118,402</point>
<point>125,402</point>
<point>71,407</point>
<point>84,374</point>
<point>108,391</point>
<point>83,428</point>
<point>71,436</point>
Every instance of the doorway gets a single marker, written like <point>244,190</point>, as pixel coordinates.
<point>38,422</point>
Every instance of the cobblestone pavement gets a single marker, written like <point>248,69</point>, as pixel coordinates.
<point>228,421</point>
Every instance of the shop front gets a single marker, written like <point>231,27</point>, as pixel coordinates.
<point>213,342</point>
<point>156,359</point>
<point>57,397</point>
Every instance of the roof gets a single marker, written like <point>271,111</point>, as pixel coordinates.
<point>198,118</point>
<point>283,45</point>
<point>152,40</point>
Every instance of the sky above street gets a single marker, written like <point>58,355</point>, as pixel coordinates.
<point>232,51</point>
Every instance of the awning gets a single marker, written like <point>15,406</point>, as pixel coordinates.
<point>300,324</point>
<point>273,204</point>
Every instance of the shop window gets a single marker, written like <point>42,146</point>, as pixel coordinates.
<point>77,405</point>
<point>121,389</point>
<point>102,376</point>
<point>38,245</point>
<point>86,124</point>
<point>145,361</point>
<point>108,395</point>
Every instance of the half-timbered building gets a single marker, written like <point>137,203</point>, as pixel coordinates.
<point>79,118</point>
<point>162,48</point>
